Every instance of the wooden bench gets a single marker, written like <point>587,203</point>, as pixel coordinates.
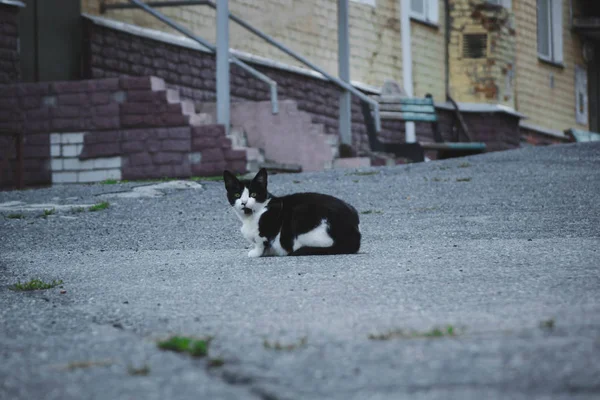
<point>409,109</point>
<point>580,135</point>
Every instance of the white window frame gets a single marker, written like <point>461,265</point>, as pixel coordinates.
<point>503,3</point>
<point>367,2</point>
<point>581,95</point>
<point>431,14</point>
<point>555,31</point>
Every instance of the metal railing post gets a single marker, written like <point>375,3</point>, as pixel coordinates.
<point>161,17</point>
<point>223,93</point>
<point>340,83</point>
<point>344,73</point>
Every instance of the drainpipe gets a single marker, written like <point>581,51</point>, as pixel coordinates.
<point>407,81</point>
<point>223,93</point>
<point>447,50</point>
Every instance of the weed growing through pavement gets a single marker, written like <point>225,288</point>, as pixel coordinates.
<point>109,182</point>
<point>463,179</point>
<point>184,344</point>
<point>207,178</point>
<point>141,371</point>
<point>363,173</point>
<point>287,347</point>
<point>425,209</point>
<point>48,212</point>
<point>547,324</point>
<point>78,209</point>
<point>449,331</point>
<point>367,212</point>
<point>86,364</point>
<point>215,363</point>
<point>15,216</point>
<point>35,284</point>
<point>100,206</point>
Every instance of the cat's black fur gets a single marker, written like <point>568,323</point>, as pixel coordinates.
<point>293,215</point>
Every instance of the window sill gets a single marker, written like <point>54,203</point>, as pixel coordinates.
<point>551,63</point>
<point>425,22</point>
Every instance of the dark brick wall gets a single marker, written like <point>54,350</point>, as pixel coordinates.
<point>535,138</point>
<point>114,53</point>
<point>131,117</point>
<point>9,48</point>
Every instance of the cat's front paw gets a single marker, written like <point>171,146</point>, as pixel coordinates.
<point>255,252</point>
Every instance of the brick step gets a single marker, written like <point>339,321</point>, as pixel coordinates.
<point>289,137</point>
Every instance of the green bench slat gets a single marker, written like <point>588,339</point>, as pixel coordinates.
<point>408,116</point>
<point>408,108</point>
<point>474,146</point>
<point>584,136</point>
<point>405,100</point>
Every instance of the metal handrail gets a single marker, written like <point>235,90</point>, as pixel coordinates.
<point>272,84</point>
<point>340,83</point>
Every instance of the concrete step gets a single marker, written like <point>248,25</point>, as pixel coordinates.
<point>172,96</point>
<point>201,119</point>
<point>238,137</point>
<point>187,107</point>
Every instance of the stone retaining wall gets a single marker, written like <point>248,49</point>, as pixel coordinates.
<point>74,130</point>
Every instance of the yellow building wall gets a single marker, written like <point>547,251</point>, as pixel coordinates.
<point>489,79</point>
<point>552,108</point>
<point>309,27</point>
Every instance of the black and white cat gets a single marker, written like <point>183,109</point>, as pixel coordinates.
<point>295,225</point>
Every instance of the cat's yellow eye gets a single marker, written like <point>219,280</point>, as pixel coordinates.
<point>253,195</point>
<point>236,195</point>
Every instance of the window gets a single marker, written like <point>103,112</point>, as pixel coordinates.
<point>581,99</point>
<point>425,10</point>
<point>504,3</point>
<point>549,30</point>
<point>474,45</point>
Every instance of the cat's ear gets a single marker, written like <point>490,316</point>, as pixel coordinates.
<point>231,182</point>
<point>261,178</point>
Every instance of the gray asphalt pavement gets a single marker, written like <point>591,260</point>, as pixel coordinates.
<point>502,247</point>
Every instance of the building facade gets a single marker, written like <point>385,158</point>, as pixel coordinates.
<point>521,71</point>
<point>522,54</point>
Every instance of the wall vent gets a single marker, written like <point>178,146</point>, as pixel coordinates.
<point>475,45</point>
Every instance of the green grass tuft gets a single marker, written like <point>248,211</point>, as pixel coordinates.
<point>547,324</point>
<point>449,331</point>
<point>86,364</point>
<point>216,178</point>
<point>363,173</point>
<point>215,363</point>
<point>297,181</point>
<point>109,182</point>
<point>48,212</point>
<point>100,206</point>
<point>34,284</point>
<point>463,179</point>
<point>15,216</point>
<point>287,347</point>
<point>367,212</point>
<point>78,209</point>
<point>183,344</point>
<point>142,371</point>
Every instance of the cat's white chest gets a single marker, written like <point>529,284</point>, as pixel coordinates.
<point>250,228</point>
